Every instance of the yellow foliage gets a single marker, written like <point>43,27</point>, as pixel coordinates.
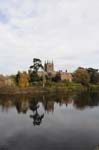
<point>23,79</point>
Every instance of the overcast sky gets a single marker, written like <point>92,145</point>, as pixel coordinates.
<point>66,31</point>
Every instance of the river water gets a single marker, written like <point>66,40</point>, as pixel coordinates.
<point>49,122</point>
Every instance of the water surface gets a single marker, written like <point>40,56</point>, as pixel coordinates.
<point>49,122</point>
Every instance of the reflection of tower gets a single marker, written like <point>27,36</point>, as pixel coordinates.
<point>49,67</point>
<point>48,104</point>
<point>37,119</point>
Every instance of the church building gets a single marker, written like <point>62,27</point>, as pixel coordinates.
<point>50,72</point>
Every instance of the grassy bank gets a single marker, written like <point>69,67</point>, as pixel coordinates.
<point>49,88</point>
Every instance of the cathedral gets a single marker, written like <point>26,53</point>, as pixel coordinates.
<point>50,72</point>
<point>49,67</point>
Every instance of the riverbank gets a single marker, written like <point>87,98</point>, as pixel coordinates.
<point>57,88</point>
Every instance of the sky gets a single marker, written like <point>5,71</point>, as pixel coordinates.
<point>65,31</point>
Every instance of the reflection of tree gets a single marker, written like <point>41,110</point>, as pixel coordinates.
<point>37,118</point>
<point>24,102</point>
<point>22,105</point>
<point>48,104</point>
<point>83,100</point>
<point>49,101</point>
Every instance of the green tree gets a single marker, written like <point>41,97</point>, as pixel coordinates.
<point>81,76</point>
<point>34,77</point>
<point>94,75</point>
<point>57,77</point>
<point>37,64</point>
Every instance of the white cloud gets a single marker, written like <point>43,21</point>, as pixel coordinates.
<point>66,31</point>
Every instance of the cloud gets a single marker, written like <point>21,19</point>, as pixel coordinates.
<point>66,31</point>
<point>3,18</point>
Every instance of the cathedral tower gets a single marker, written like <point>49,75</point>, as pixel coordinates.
<point>49,67</point>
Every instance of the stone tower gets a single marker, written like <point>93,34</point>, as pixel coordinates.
<point>49,67</point>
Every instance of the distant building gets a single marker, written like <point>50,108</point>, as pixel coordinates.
<point>66,76</point>
<point>49,67</point>
<point>50,72</point>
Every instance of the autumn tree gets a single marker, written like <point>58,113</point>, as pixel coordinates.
<point>23,79</point>
<point>81,76</point>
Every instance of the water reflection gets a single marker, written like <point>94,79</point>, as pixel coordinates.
<point>37,118</point>
<point>24,103</point>
<point>83,100</point>
<point>62,121</point>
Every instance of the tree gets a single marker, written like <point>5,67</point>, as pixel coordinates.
<point>94,75</point>
<point>34,70</point>
<point>81,76</point>
<point>22,79</point>
<point>37,64</point>
<point>57,77</point>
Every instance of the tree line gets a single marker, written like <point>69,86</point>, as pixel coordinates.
<point>84,76</point>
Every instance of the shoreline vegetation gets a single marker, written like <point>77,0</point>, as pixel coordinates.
<point>52,88</point>
<point>44,79</point>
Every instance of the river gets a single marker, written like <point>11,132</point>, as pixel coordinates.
<point>49,122</point>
